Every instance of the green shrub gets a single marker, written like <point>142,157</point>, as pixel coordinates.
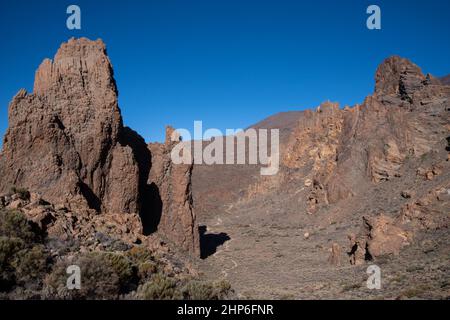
<point>30,264</point>
<point>199,290</point>
<point>147,269</point>
<point>8,248</point>
<point>138,255</point>
<point>99,280</point>
<point>22,261</point>
<point>144,260</point>
<point>222,289</point>
<point>13,224</point>
<point>160,287</point>
<point>122,267</point>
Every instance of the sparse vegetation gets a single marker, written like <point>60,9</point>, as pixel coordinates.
<point>99,279</point>
<point>30,264</point>
<point>13,224</point>
<point>160,287</point>
<point>8,249</point>
<point>197,290</point>
<point>25,265</point>
<point>23,260</point>
<point>122,267</point>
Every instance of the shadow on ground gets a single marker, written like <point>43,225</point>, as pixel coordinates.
<point>209,242</point>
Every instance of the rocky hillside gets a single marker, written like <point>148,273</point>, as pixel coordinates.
<point>358,185</point>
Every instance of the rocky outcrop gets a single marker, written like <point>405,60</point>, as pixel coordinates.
<point>399,77</point>
<point>380,235</point>
<point>316,138</point>
<point>66,141</point>
<point>384,236</point>
<point>172,183</point>
<point>314,144</point>
<point>430,211</point>
<point>84,225</point>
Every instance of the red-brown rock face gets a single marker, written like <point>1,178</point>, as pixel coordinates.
<point>66,141</point>
<point>172,183</point>
<point>63,139</point>
<point>380,235</point>
<point>344,148</point>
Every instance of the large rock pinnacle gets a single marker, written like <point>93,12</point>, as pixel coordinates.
<point>63,139</point>
<point>66,140</point>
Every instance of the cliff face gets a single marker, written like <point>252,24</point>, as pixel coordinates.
<point>406,118</point>
<point>63,139</point>
<point>173,183</point>
<point>66,140</point>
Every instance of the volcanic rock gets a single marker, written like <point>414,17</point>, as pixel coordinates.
<point>384,236</point>
<point>63,139</point>
<point>172,185</point>
<point>67,141</point>
<point>380,235</point>
<point>397,76</point>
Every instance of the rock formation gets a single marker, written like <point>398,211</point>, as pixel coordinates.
<point>173,185</point>
<point>66,141</point>
<point>380,235</point>
<point>63,139</point>
<point>406,117</point>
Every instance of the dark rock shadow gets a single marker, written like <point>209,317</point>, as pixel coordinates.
<point>92,200</point>
<point>151,210</point>
<point>149,196</point>
<point>209,242</point>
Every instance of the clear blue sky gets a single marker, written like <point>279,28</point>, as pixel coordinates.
<point>229,63</point>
